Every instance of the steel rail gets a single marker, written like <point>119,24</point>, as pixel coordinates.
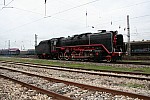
<point>115,92</point>
<point>119,72</point>
<point>87,72</point>
<point>49,93</point>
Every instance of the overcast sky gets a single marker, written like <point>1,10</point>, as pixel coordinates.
<point>20,20</point>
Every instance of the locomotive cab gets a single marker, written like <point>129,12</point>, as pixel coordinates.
<point>119,43</point>
<point>118,47</point>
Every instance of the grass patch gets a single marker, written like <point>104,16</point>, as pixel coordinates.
<point>91,66</point>
<point>133,85</point>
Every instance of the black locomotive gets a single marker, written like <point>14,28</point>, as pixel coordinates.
<point>103,45</point>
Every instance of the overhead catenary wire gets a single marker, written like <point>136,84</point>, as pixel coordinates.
<point>76,7</point>
<point>9,3</point>
<point>54,15</point>
<point>48,16</point>
<point>24,24</point>
<point>63,19</point>
<point>136,4</point>
<point>122,20</point>
<point>28,11</point>
<point>86,12</point>
<point>5,5</point>
<point>73,7</point>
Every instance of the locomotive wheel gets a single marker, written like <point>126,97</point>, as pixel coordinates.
<point>73,54</point>
<point>67,56</point>
<point>109,59</point>
<point>60,56</point>
<point>113,60</point>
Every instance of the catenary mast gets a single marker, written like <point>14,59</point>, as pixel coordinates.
<point>128,35</point>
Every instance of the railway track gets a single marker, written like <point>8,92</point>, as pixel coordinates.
<point>64,90</point>
<point>119,74</point>
<point>141,87</point>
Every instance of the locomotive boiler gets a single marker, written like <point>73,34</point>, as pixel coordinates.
<point>103,45</point>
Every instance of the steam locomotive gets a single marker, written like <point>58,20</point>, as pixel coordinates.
<point>103,45</point>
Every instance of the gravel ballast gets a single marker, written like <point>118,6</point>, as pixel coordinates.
<point>13,91</point>
<point>123,84</point>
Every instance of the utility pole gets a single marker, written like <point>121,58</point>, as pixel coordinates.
<point>45,7</point>
<point>4,2</point>
<point>8,44</point>
<point>86,19</point>
<point>128,35</point>
<point>35,40</point>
